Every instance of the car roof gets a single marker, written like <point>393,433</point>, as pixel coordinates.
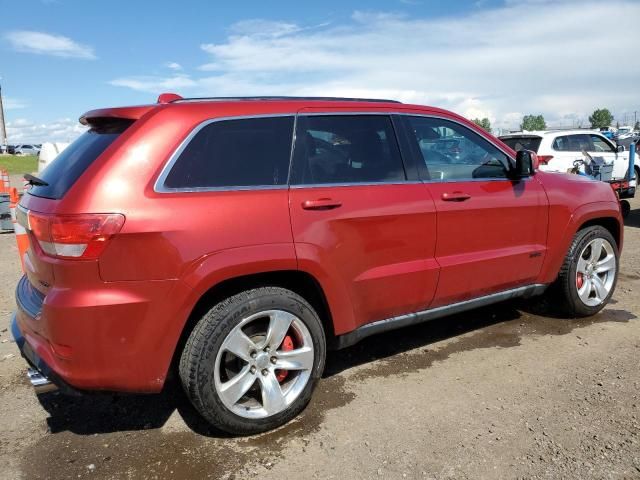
<point>230,106</point>
<point>543,133</point>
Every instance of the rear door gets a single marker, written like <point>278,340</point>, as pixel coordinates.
<point>358,221</point>
<point>491,230</point>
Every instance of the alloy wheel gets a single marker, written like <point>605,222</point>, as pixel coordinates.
<point>264,364</point>
<point>595,272</point>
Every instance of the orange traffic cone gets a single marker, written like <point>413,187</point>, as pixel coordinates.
<point>4,181</point>
<point>22,239</point>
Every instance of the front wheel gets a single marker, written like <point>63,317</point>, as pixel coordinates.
<point>589,273</point>
<point>252,362</point>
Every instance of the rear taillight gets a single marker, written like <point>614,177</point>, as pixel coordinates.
<point>544,159</point>
<point>78,237</point>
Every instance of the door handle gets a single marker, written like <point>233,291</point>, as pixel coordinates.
<point>321,204</point>
<point>455,197</point>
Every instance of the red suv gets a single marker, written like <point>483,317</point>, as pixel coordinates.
<point>237,240</point>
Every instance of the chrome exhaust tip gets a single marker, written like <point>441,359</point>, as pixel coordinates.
<point>40,383</point>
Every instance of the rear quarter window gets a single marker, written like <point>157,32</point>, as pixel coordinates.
<point>235,153</point>
<point>69,165</point>
<point>523,143</point>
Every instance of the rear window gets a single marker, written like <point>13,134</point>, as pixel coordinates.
<point>235,153</point>
<point>67,167</point>
<point>523,143</point>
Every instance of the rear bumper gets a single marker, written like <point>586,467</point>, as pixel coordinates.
<point>109,336</point>
<point>41,375</point>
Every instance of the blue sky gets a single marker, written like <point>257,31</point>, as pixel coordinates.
<point>500,59</point>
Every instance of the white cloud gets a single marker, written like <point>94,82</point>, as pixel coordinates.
<point>155,84</point>
<point>48,44</point>
<point>22,130</point>
<point>173,66</point>
<point>500,62</point>
<point>257,27</point>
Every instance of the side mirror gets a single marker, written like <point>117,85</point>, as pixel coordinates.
<point>620,148</point>
<point>526,164</point>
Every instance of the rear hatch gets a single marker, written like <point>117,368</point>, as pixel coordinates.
<point>56,240</point>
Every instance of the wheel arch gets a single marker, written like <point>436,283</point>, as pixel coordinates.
<point>605,214</point>
<point>609,223</point>
<point>300,282</point>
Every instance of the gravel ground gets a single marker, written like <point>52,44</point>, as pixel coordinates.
<point>499,392</point>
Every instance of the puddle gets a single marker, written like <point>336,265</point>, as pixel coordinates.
<point>493,327</point>
<point>121,436</point>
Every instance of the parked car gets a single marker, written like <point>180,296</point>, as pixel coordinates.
<point>608,132</point>
<point>4,148</point>
<point>624,133</point>
<point>238,241</point>
<point>11,149</point>
<point>558,149</point>
<point>26,149</point>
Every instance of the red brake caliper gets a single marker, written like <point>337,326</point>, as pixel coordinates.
<point>579,280</point>
<point>287,345</point>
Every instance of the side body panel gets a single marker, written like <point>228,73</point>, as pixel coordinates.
<point>377,249</point>
<point>495,240</point>
<point>573,201</point>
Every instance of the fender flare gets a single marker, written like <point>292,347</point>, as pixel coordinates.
<point>581,215</point>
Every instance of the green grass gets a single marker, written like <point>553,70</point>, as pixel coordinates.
<point>19,164</point>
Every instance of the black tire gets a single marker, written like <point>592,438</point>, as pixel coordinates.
<point>197,362</point>
<point>568,301</point>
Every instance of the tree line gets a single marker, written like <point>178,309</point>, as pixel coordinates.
<point>600,118</point>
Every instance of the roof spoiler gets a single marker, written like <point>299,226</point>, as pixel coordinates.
<point>125,113</point>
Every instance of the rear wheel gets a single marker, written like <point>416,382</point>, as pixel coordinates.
<point>588,276</point>
<point>252,362</point>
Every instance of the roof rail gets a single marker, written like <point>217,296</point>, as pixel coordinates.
<point>263,98</point>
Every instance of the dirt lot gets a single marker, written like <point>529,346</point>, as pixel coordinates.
<point>494,393</point>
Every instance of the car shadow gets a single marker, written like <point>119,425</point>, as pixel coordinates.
<point>107,412</point>
<point>633,219</point>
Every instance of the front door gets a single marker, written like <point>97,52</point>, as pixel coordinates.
<point>491,230</point>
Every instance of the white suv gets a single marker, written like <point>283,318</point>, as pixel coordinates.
<point>558,149</point>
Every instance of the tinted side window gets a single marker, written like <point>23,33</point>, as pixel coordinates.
<point>561,144</point>
<point>451,151</point>
<point>523,143</point>
<point>235,153</point>
<point>346,149</point>
<point>573,143</point>
<point>600,145</point>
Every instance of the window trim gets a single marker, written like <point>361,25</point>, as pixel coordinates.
<point>399,128</point>
<point>396,132</point>
<point>160,187</point>
<point>458,180</point>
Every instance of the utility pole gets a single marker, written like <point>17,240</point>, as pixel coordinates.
<point>3,129</point>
